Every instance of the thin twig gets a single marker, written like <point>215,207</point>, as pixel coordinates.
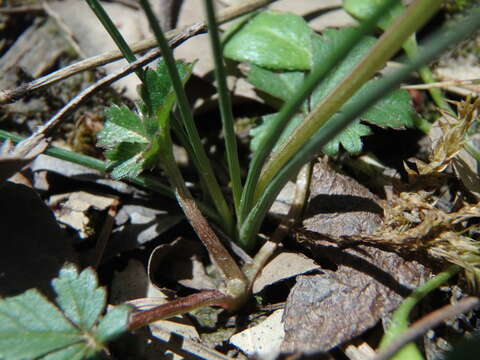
<point>43,131</point>
<point>428,322</point>
<point>442,84</point>
<point>21,9</point>
<point>11,95</point>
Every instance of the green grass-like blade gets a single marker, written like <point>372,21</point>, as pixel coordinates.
<point>225,107</point>
<point>399,322</point>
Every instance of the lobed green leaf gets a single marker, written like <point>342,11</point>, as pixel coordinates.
<point>31,327</point>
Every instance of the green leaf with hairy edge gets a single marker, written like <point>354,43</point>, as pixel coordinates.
<point>158,86</point>
<point>131,140</point>
<point>349,138</point>
<point>31,327</point>
<point>122,125</point>
<point>364,9</point>
<point>273,40</point>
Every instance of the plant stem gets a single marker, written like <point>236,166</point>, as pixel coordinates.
<point>205,168</point>
<point>390,42</point>
<point>235,281</point>
<point>107,23</point>
<point>177,307</point>
<point>399,322</point>
<point>225,107</point>
<point>291,107</point>
<point>437,44</point>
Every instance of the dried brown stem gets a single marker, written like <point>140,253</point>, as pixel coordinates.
<point>428,322</point>
<point>179,306</point>
<point>11,95</point>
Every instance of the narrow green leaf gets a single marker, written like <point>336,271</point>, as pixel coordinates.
<point>33,328</point>
<point>286,33</point>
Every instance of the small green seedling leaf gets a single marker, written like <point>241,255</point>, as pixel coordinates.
<point>31,327</point>
<point>131,139</point>
<point>273,40</point>
<point>364,9</point>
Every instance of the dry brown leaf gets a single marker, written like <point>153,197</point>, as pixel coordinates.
<point>283,266</point>
<point>339,205</point>
<point>326,310</point>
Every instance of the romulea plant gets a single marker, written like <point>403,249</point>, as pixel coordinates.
<point>328,95</point>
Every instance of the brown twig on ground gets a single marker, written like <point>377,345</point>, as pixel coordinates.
<point>11,95</point>
<point>428,322</point>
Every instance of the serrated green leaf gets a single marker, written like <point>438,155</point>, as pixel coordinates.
<point>350,139</point>
<point>30,327</point>
<point>79,297</point>
<point>129,168</point>
<point>158,86</point>
<point>122,126</point>
<point>282,85</point>
<point>33,328</point>
<point>131,140</point>
<point>364,9</point>
<point>394,110</point>
<point>273,40</point>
